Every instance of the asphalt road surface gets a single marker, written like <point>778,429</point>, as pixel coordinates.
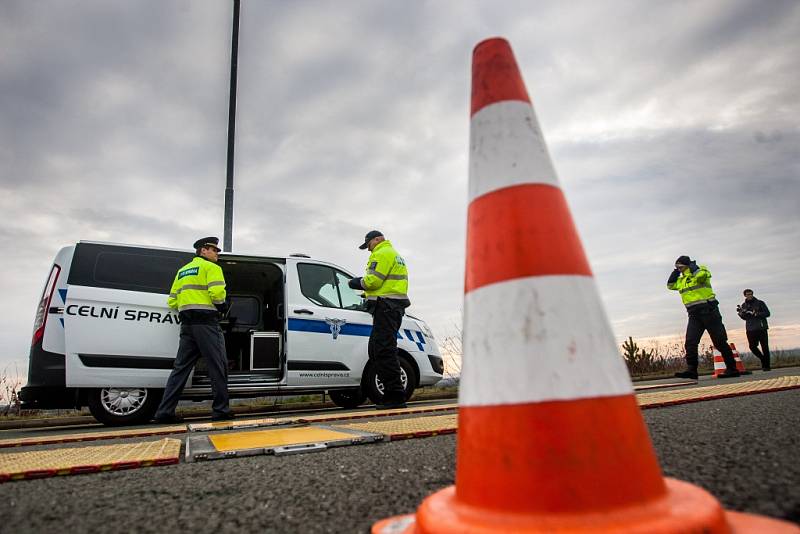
<point>741,449</point>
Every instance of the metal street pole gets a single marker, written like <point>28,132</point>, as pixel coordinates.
<point>227,242</point>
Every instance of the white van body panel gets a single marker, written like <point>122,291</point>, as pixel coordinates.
<point>107,322</point>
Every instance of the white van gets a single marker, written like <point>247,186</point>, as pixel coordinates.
<point>104,337</point>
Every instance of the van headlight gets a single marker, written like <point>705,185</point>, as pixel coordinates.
<point>425,330</point>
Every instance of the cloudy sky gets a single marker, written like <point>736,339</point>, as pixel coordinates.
<point>673,126</point>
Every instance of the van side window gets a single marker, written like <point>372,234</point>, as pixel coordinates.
<point>136,270</point>
<point>325,286</point>
<point>318,284</point>
<point>350,299</point>
<point>129,268</point>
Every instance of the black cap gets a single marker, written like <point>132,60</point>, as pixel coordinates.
<point>372,234</point>
<point>207,242</point>
<point>683,260</point>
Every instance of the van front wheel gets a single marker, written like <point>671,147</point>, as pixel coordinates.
<point>123,406</point>
<point>374,387</point>
<point>348,398</point>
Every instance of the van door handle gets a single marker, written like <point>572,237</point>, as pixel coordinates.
<point>304,311</point>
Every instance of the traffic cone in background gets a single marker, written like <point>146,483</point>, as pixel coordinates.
<point>719,363</point>
<point>550,437</point>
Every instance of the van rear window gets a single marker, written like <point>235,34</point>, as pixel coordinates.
<point>129,268</point>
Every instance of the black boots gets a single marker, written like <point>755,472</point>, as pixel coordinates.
<point>729,373</point>
<point>688,373</point>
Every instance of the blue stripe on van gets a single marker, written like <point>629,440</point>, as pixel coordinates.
<point>321,327</point>
<point>63,293</point>
<point>348,329</point>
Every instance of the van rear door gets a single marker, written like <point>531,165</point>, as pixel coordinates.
<point>119,330</point>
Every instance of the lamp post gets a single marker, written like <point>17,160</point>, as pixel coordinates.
<point>227,242</point>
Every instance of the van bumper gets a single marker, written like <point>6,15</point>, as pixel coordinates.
<point>48,398</point>
<point>432,372</point>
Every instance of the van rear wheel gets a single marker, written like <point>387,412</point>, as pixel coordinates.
<point>374,387</point>
<point>348,398</point>
<point>123,406</point>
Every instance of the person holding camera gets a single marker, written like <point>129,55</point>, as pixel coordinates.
<point>693,282</point>
<point>755,313</point>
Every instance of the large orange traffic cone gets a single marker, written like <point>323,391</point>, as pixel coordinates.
<point>550,437</point>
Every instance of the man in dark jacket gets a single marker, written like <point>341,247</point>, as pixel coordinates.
<point>755,313</point>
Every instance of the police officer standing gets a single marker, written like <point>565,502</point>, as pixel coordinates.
<point>386,287</point>
<point>198,293</point>
<point>755,313</point>
<point>693,282</point>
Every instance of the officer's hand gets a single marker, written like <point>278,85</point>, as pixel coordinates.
<point>693,267</point>
<point>673,276</point>
<point>354,283</point>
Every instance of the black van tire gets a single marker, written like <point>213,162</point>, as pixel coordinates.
<point>348,398</point>
<point>99,406</point>
<point>369,382</point>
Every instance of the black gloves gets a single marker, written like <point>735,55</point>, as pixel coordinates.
<point>674,276</point>
<point>693,267</point>
<point>222,308</point>
<point>355,283</point>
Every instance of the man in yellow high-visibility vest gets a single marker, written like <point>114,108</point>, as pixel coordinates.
<point>198,293</point>
<point>693,282</point>
<point>385,284</point>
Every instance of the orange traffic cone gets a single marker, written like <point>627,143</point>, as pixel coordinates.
<point>719,363</point>
<point>550,437</point>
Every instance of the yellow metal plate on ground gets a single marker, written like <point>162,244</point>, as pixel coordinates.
<point>416,427</point>
<point>277,437</point>
<point>75,460</point>
<point>719,391</point>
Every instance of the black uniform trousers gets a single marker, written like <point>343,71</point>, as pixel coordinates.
<point>754,337</point>
<point>706,317</point>
<point>198,340</point>
<point>382,348</point>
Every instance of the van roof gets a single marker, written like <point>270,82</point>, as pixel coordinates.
<point>133,245</point>
<point>294,256</point>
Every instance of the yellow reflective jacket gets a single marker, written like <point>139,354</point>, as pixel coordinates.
<point>198,285</point>
<point>694,287</point>
<point>386,274</point>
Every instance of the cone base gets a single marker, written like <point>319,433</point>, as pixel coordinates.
<point>685,508</point>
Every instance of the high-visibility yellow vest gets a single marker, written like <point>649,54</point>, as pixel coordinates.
<point>386,274</point>
<point>694,287</point>
<point>198,285</point>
